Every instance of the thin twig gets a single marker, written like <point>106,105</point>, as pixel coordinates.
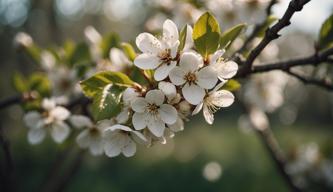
<point>13,100</point>
<point>324,83</point>
<point>273,148</point>
<point>257,27</point>
<point>314,60</point>
<point>272,33</point>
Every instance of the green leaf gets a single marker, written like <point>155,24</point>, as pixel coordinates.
<point>80,54</point>
<point>108,42</point>
<point>182,38</point>
<point>20,83</point>
<point>39,82</point>
<point>106,103</point>
<point>129,51</point>
<point>230,35</point>
<point>34,52</point>
<point>97,83</point>
<point>206,34</point>
<point>270,20</point>
<point>231,85</point>
<point>326,33</point>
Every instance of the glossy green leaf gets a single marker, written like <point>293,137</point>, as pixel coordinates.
<point>182,38</point>
<point>129,51</point>
<point>230,35</point>
<point>206,34</point>
<point>326,33</point>
<point>106,103</point>
<point>231,85</point>
<point>97,83</point>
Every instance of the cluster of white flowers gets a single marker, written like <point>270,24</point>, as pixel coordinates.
<point>183,84</point>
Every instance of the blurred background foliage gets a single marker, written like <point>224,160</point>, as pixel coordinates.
<point>222,157</point>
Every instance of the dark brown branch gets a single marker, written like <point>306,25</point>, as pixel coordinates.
<point>17,99</point>
<point>272,146</point>
<point>277,156</point>
<point>7,177</point>
<point>314,60</point>
<point>272,33</point>
<point>257,27</point>
<point>324,83</point>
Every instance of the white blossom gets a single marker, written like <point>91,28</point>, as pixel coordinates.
<point>119,139</point>
<point>92,136</point>
<point>51,119</point>
<point>213,101</point>
<point>151,112</point>
<point>194,79</point>
<point>119,61</point>
<point>225,69</point>
<point>158,54</point>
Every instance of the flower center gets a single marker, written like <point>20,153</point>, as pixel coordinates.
<point>165,56</point>
<point>152,108</point>
<point>94,131</point>
<point>210,104</point>
<point>190,78</point>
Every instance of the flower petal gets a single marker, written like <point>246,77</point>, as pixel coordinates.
<point>113,143</point>
<point>168,113</point>
<point>170,32</point>
<point>128,95</point>
<point>123,116</point>
<point>147,61</point>
<point>222,98</point>
<point>48,104</point>
<point>60,113</point>
<point>177,126</point>
<point>168,89</point>
<point>60,131</point>
<point>190,62</point>
<point>189,40</point>
<point>96,146</point>
<point>36,136</point>
<point>119,127</point>
<point>156,126</point>
<point>130,148</point>
<point>226,70</point>
<point>83,139</point>
<point>155,97</point>
<point>32,119</point>
<point>139,121</point>
<point>80,121</point>
<point>174,49</point>
<point>207,78</point>
<point>139,105</point>
<point>177,75</point>
<point>163,71</point>
<point>139,137</point>
<point>193,93</point>
<point>209,117</point>
<point>147,43</point>
<point>216,56</point>
<point>197,108</point>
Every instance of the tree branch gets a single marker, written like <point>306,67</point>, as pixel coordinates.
<point>314,59</point>
<point>272,33</point>
<point>257,27</point>
<point>273,148</point>
<point>13,100</point>
<point>7,179</point>
<point>324,83</point>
